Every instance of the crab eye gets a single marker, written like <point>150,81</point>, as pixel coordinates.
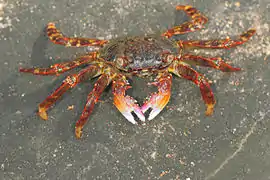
<point>167,58</point>
<point>170,58</point>
<point>121,61</point>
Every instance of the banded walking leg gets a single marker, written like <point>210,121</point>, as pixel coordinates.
<point>219,43</point>
<point>124,103</point>
<point>59,68</point>
<point>58,38</point>
<point>159,100</point>
<point>214,62</point>
<point>68,83</point>
<point>196,23</point>
<point>188,73</point>
<point>102,82</point>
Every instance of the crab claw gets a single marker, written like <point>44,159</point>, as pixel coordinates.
<point>156,102</point>
<point>159,100</point>
<point>125,104</point>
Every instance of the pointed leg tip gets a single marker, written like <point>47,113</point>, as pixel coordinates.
<point>232,69</point>
<point>181,7</point>
<point>42,113</point>
<point>252,30</point>
<point>22,69</point>
<point>78,132</point>
<point>210,109</point>
<point>208,112</point>
<point>51,24</point>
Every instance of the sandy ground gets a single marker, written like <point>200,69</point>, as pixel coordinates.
<point>180,144</point>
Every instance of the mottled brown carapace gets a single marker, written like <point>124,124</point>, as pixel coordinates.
<point>113,61</point>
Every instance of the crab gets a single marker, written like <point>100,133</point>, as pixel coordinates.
<point>115,61</point>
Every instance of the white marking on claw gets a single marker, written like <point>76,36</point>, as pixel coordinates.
<point>154,113</point>
<point>139,114</point>
<point>129,117</point>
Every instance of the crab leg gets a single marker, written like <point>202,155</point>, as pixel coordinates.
<point>58,38</point>
<point>220,43</point>
<point>215,62</point>
<point>102,82</point>
<point>159,100</point>
<point>57,69</point>
<point>188,73</point>
<point>196,23</point>
<point>68,83</point>
<point>124,103</point>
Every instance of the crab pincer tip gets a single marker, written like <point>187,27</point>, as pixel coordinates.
<point>154,113</point>
<point>129,117</point>
<point>139,113</point>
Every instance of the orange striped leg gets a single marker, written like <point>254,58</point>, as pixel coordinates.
<point>124,103</point>
<point>102,82</point>
<point>60,68</point>
<point>159,100</point>
<point>196,23</point>
<point>220,43</point>
<point>192,75</point>
<point>214,62</point>
<point>68,83</point>
<point>58,38</point>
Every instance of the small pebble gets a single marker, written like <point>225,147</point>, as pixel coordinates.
<point>237,4</point>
